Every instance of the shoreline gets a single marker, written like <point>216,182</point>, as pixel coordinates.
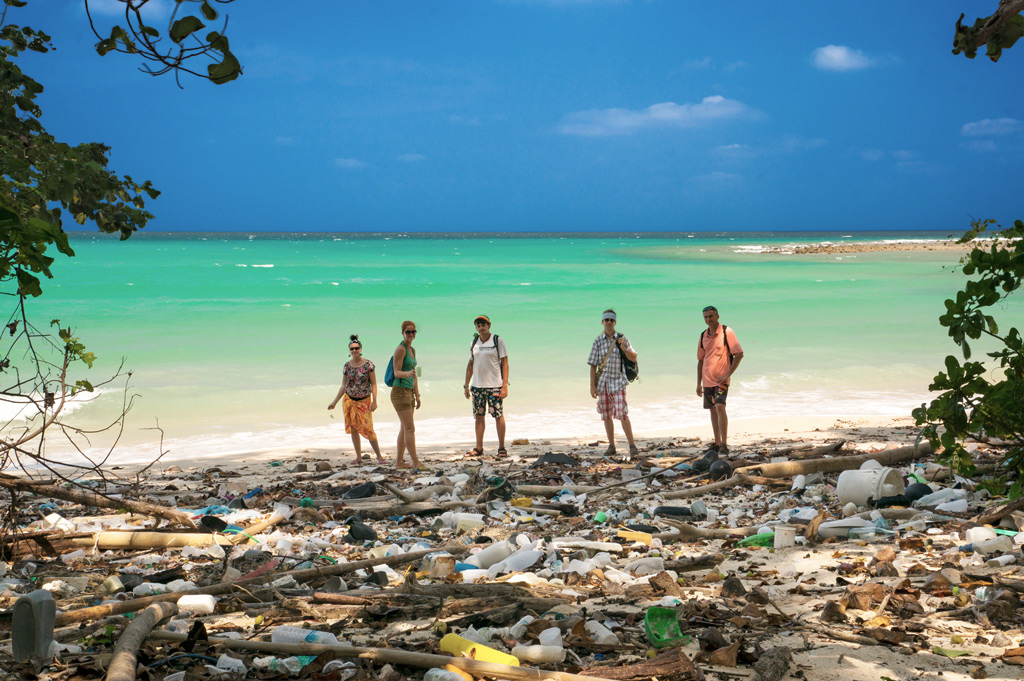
<point>830,248</point>
<point>747,436</point>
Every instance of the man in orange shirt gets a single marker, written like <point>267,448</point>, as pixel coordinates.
<point>718,356</point>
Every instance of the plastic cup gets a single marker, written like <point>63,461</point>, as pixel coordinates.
<point>785,536</point>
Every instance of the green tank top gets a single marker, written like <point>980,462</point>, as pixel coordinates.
<point>408,364</point>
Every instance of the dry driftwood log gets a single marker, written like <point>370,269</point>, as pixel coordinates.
<point>121,607</point>
<point>390,656</point>
<point>993,516</point>
<point>786,469</point>
<point>132,540</point>
<point>275,519</point>
<point>695,562</point>
<point>689,532</point>
<point>92,499</point>
<point>126,650</point>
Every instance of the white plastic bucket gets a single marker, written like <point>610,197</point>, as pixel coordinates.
<point>875,483</point>
<point>785,536</point>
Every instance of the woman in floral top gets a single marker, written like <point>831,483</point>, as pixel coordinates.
<point>358,393</point>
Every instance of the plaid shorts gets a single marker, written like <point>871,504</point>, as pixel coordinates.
<point>486,399</point>
<point>612,405</point>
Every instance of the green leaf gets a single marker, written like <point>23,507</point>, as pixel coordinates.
<point>226,71</point>
<point>28,285</point>
<point>208,12</point>
<point>185,27</point>
<point>950,653</point>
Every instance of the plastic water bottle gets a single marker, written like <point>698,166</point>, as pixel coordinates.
<point>494,553</point>
<point>517,630</point>
<point>942,496</point>
<point>600,633</point>
<point>286,634</point>
<point>1001,544</point>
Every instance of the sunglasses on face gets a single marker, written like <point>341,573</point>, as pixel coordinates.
<point>354,348</point>
<point>411,332</point>
<point>481,324</point>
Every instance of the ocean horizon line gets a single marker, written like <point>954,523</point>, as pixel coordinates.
<point>594,234</point>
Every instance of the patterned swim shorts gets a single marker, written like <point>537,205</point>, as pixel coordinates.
<point>487,399</point>
<point>716,395</point>
<point>612,405</point>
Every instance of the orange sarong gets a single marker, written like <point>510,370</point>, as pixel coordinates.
<point>358,416</point>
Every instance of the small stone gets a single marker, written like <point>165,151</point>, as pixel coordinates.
<point>300,468</point>
<point>733,588</point>
<point>886,569</point>
<point>323,467</point>
<point>833,612</point>
<point>1001,640</point>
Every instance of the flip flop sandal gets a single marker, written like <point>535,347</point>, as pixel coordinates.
<point>502,453</point>
<point>403,467</point>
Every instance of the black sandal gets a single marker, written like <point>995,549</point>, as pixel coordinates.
<point>502,452</point>
<point>475,452</point>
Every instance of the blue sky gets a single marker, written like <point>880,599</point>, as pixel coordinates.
<point>558,115</point>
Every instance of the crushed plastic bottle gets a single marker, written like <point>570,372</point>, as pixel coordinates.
<point>286,634</point>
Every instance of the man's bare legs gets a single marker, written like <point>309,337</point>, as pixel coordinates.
<point>720,425</point>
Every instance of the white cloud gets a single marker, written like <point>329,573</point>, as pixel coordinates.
<point>463,120</point>
<point>903,155</point>
<point>411,158</point>
<point>991,126</point>
<point>349,163</point>
<point>607,122</point>
<point>841,58</point>
<point>790,144</point>
<point>695,64</point>
<point>154,9</point>
<point>982,146</point>
<point>872,154</point>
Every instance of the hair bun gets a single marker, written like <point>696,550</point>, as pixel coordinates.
<point>354,337</point>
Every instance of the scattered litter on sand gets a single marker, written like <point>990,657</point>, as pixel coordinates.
<point>827,558</point>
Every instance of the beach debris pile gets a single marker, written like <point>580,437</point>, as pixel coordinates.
<point>674,566</point>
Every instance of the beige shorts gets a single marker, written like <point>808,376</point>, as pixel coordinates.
<point>403,398</point>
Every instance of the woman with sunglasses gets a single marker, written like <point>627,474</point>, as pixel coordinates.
<point>359,394</point>
<point>405,396</point>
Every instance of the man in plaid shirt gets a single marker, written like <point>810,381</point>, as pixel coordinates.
<point>608,381</point>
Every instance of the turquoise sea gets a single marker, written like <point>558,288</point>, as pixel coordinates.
<point>236,341</point>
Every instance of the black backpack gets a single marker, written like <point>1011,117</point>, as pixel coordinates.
<point>725,337</point>
<point>631,368</point>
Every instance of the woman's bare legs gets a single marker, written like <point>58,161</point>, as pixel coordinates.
<point>406,439</point>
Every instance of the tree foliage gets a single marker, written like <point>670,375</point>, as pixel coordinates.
<point>996,32</point>
<point>981,398</point>
<point>181,42</point>
<point>40,177</point>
